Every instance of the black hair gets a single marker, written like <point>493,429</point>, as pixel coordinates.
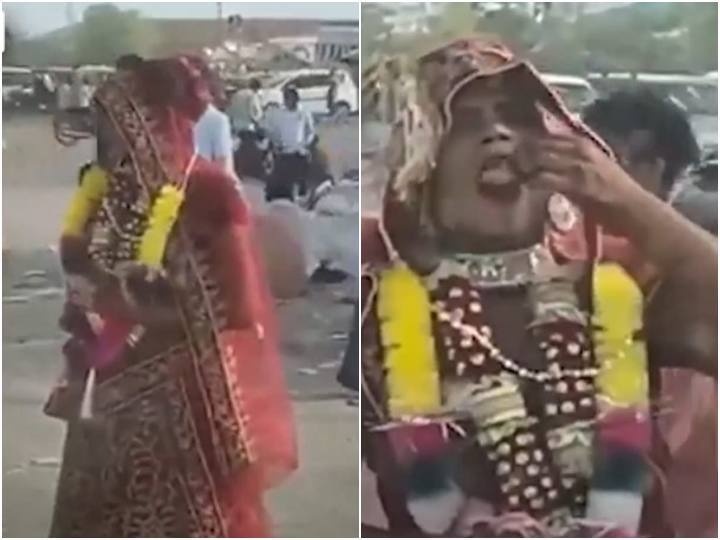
<point>627,111</point>
<point>254,84</point>
<point>291,90</point>
<point>128,62</point>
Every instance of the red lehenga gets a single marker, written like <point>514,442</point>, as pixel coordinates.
<point>191,421</point>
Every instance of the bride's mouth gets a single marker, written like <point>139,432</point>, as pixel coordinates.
<point>498,179</point>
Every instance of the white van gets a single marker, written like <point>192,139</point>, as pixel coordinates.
<point>313,86</point>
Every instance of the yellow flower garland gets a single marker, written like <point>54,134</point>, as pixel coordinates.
<point>85,201</point>
<point>412,378</point>
<point>162,218</point>
<point>164,213</point>
<point>404,309</point>
<point>623,378</point>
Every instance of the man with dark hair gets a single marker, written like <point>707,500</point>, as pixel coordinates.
<point>245,108</point>
<point>246,114</point>
<point>655,144</point>
<point>651,136</point>
<point>292,132</point>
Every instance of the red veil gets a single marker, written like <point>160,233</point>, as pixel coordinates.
<point>215,387</point>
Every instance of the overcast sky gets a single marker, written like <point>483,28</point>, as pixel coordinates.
<point>38,18</point>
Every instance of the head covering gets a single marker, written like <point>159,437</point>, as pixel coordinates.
<point>210,78</point>
<point>426,118</point>
<point>154,108</point>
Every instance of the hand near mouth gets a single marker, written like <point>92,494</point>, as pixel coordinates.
<point>578,169</point>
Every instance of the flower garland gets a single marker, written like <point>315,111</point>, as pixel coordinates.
<point>162,218</point>
<point>413,380</point>
<point>404,308</point>
<point>87,198</point>
<point>623,435</point>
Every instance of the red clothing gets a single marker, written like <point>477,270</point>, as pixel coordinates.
<point>687,496</point>
<point>192,421</point>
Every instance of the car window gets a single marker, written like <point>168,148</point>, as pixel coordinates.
<point>311,81</point>
<point>16,79</point>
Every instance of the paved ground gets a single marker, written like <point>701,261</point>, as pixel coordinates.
<point>320,500</point>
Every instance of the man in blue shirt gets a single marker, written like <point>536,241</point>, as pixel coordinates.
<point>212,134</point>
<point>213,139</point>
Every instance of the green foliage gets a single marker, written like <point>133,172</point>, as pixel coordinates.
<point>515,27</point>
<point>457,20</point>
<point>374,29</point>
<point>107,32</point>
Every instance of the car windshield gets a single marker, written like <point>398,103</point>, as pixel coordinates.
<point>16,78</point>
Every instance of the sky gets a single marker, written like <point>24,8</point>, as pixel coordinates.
<point>37,18</point>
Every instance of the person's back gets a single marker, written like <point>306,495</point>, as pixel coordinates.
<point>245,109</point>
<point>213,139</point>
<point>64,99</point>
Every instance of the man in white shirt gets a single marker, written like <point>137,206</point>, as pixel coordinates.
<point>63,94</point>
<point>245,108</point>
<point>292,132</point>
<point>246,114</point>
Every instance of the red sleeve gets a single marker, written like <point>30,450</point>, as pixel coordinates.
<point>212,199</point>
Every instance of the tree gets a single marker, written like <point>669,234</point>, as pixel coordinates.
<point>374,29</point>
<point>457,20</point>
<point>515,27</point>
<point>107,32</point>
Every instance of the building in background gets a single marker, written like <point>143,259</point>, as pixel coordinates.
<point>336,40</point>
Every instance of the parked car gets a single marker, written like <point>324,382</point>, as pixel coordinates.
<point>576,92</point>
<point>17,85</point>
<point>313,86</point>
<point>695,94</point>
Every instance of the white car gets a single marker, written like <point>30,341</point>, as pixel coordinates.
<point>313,86</point>
<point>17,83</point>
